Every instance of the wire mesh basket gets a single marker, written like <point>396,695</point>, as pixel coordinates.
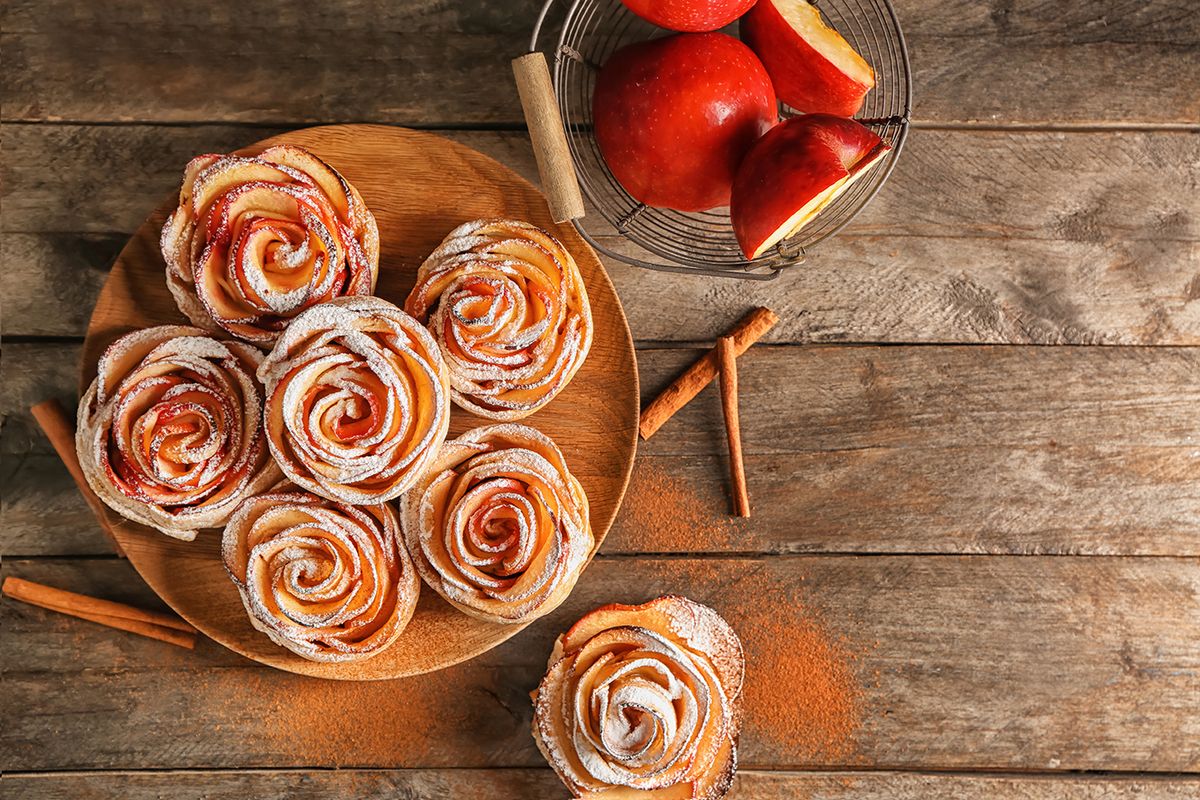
<point>703,242</point>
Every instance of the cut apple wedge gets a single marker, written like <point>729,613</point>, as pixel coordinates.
<point>814,69</point>
<point>795,171</point>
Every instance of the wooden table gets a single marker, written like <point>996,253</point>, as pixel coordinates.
<point>999,538</point>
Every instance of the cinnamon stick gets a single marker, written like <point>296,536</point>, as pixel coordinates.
<point>733,428</point>
<point>59,428</point>
<point>151,624</point>
<point>749,330</point>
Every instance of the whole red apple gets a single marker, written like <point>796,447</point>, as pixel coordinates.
<point>794,172</point>
<point>813,68</point>
<point>694,16</point>
<point>674,116</point>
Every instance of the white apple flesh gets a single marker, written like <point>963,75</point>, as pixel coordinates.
<point>813,68</point>
<point>794,172</point>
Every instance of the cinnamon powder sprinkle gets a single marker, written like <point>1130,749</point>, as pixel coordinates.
<point>665,513</point>
<point>407,722</point>
<point>802,696</point>
<point>803,702</point>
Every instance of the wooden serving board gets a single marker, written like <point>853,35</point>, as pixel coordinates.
<point>419,187</point>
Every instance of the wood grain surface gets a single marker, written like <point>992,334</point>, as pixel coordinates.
<point>504,784</point>
<point>974,61</point>
<point>1068,450</point>
<point>929,502</point>
<point>1001,663</point>
<point>1050,238</point>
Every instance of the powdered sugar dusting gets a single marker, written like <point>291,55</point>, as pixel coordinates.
<point>366,349</point>
<point>168,433</point>
<point>507,305</point>
<point>301,564</point>
<point>640,702</point>
<point>516,478</point>
<point>236,210</point>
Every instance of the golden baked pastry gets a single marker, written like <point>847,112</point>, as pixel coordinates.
<point>643,701</point>
<point>498,525</point>
<point>508,308</point>
<point>357,400</point>
<point>256,240</point>
<point>170,431</point>
<point>328,581</point>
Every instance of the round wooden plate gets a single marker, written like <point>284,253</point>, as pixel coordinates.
<point>419,187</point>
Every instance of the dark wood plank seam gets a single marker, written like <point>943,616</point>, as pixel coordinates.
<point>982,772</point>
<point>450,125</point>
<point>651,345</point>
<point>736,555</point>
<point>849,235</point>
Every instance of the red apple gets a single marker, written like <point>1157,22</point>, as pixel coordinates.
<point>794,172</point>
<point>689,15</point>
<point>813,68</point>
<point>674,116</point>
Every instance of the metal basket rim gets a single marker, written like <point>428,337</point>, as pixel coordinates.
<point>747,271</point>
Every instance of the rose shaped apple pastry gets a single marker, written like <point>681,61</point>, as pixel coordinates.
<point>643,698</point>
<point>170,431</point>
<point>256,240</point>
<point>357,400</point>
<point>498,526</point>
<point>507,305</point>
<point>329,582</point>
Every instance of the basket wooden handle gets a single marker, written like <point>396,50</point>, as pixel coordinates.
<point>559,182</point>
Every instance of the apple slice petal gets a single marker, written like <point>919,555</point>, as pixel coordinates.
<point>794,172</point>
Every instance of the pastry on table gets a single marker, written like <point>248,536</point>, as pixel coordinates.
<point>508,307</point>
<point>358,400</point>
<point>328,581</point>
<point>170,432</point>
<point>256,240</point>
<point>643,701</point>
<point>498,525</point>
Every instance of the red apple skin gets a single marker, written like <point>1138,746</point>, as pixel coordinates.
<point>694,16</point>
<point>792,164</point>
<point>803,78</point>
<point>674,116</point>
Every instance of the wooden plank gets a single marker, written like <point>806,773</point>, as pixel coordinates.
<point>973,61</point>
<point>822,398</point>
<point>30,373</point>
<point>260,60</point>
<point>1103,501</point>
<point>42,513</point>
<point>54,289</point>
<point>852,449</point>
<point>504,784</point>
<point>833,398</point>
<point>1100,501</point>
<point>956,663</point>
<point>1085,187</point>
<point>903,289</point>
<point>1049,238</point>
<point>1097,187</point>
